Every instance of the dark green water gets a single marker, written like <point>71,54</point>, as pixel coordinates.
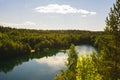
<point>37,66</point>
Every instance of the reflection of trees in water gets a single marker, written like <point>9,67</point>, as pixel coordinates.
<point>7,64</point>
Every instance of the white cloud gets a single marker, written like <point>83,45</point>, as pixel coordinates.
<point>62,9</point>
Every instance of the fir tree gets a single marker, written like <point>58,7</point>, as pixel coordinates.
<point>111,48</point>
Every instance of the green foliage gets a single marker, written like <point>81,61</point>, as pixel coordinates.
<point>109,46</point>
<point>72,58</point>
<point>70,73</point>
<point>21,41</point>
<point>87,69</point>
<point>72,62</point>
<point>113,20</point>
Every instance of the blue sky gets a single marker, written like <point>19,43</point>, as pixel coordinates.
<point>55,14</point>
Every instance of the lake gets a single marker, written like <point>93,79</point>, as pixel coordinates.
<point>38,66</point>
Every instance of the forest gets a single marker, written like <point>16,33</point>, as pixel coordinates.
<point>22,41</point>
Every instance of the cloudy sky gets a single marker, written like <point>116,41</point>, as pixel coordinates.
<point>55,14</point>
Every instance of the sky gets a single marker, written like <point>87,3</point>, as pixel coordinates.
<point>55,14</point>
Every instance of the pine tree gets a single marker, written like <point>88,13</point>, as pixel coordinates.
<point>112,46</point>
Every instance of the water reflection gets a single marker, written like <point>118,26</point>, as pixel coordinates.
<point>56,62</point>
<point>37,69</point>
<point>7,64</point>
<point>85,49</point>
<point>41,66</point>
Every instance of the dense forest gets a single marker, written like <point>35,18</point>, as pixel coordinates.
<point>15,42</point>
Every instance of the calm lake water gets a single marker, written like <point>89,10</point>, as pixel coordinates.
<point>37,68</point>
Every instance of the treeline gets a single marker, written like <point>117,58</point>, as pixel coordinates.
<point>22,41</point>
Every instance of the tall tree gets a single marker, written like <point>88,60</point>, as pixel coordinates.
<point>70,73</point>
<point>72,61</point>
<point>110,52</point>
